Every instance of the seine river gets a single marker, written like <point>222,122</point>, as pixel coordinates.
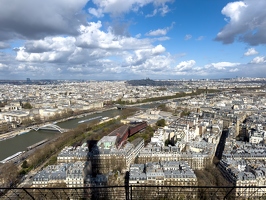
<point>21,142</point>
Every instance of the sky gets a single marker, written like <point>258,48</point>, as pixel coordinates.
<point>132,39</point>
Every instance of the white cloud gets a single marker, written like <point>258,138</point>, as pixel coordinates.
<point>93,51</point>
<point>157,32</point>
<point>250,52</point>
<point>75,69</point>
<point>92,36</point>
<point>50,49</point>
<point>246,22</point>
<point>164,10</point>
<point>185,65</point>
<point>92,42</point>
<point>138,35</point>
<point>162,38</point>
<point>153,13</point>
<point>259,59</point>
<point>143,55</point>
<point>21,67</point>
<point>117,7</point>
<point>188,68</point>
<point>3,66</point>
<point>154,65</point>
<point>200,38</point>
<point>160,31</point>
<point>221,65</point>
<point>97,13</point>
<point>188,37</point>
<point>234,70</point>
<point>33,68</point>
<point>158,50</point>
<point>233,10</point>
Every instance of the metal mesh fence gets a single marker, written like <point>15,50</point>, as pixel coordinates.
<point>136,192</point>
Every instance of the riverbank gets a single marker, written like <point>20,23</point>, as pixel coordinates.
<point>9,135</point>
<point>19,131</point>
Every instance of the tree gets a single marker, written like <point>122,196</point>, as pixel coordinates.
<point>26,122</point>
<point>167,142</point>
<point>8,174</point>
<point>37,120</point>
<point>161,123</point>
<point>27,105</point>
<point>2,104</point>
<point>127,112</point>
<point>163,107</point>
<point>25,164</point>
<point>185,112</point>
<point>56,116</point>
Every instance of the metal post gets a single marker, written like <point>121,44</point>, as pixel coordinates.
<point>131,192</point>
<point>28,193</point>
<point>229,192</point>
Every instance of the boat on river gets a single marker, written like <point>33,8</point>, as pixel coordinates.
<point>90,119</point>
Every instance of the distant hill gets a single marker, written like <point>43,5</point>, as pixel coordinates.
<point>149,82</point>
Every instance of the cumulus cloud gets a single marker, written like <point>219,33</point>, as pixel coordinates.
<point>233,10</point>
<point>92,42</point>
<point>222,65</point>
<point>159,32</point>
<point>158,50</point>
<point>185,65</point>
<point>117,7</point>
<point>246,22</point>
<point>189,68</point>
<point>250,52</point>
<point>259,59</point>
<point>188,37</point>
<point>50,49</point>
<point>38,18</point>
<point>93,51</point>
<point>154,65</point>
<point>141,56</point>
<point>92,36</point>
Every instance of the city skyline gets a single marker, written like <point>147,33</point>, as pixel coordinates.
<point>118,40</point>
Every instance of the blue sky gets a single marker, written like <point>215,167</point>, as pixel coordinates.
<point>133,39</point>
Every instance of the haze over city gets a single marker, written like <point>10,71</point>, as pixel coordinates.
<point>118,40</point>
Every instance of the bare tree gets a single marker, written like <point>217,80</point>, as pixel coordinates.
<point>8,174</point>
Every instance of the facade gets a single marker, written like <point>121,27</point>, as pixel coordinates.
<point>106,156</point>
<point>197,160</point>
<point>71,154</point>
<point>243,163</point>
<point>245,173</point>
<point>176,173</point>
<point>14,116</point>
<point>64,174</point>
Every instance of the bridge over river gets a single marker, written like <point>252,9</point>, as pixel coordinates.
<point>50,127</point>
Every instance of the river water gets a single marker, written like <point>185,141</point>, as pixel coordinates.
<point>21,142</point>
